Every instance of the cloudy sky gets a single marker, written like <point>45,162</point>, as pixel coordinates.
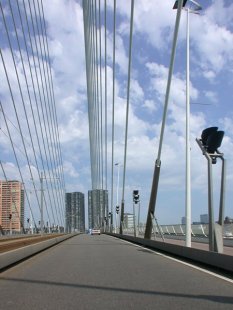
<point>211,74</point>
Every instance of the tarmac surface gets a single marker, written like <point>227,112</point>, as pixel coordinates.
<point>102,272</point>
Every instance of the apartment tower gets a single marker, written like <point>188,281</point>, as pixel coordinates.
<point>11,206</point>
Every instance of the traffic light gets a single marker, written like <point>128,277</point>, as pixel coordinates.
<point>117,209</point>
<point>135,196</point>
<point>212,139</point>
<point>28,220</point>
<point>206,133</point>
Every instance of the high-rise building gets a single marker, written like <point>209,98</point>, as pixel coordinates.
<point>97,208</point>
<point>75,212</point>
<point>204,218</point>
<point>128,220</point>
<point>183,220</point>
<point>11,206</point>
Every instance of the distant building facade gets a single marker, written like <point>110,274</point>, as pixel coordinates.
<point>128,220</point>
<point>97,208</point>
<point>75,212</point>
<point>11,206</point>
<point>183,220</point>
<point>204,218</point>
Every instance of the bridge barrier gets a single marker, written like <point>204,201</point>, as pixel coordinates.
<point>197,230</point>
<point>213,259</point>
<point>14,256</point>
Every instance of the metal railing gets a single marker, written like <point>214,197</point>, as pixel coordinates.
<point>197,230</point>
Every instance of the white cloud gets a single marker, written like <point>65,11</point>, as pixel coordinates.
<point>70,170</point>
<point>213,43</point>
<point>150,105</point>
<point>209,74</point>
<point>211,96</point>
<point>221,12</point>
<point>76,128</point>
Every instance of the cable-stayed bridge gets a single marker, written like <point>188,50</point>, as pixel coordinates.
<point>29,128</point>
<point>85,271</point>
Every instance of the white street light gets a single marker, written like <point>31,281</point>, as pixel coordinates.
<point>191,7</point>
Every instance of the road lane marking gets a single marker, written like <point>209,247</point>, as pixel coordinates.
<point>182,262</point>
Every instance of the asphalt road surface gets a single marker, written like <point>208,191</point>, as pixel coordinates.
<point>102,272</point>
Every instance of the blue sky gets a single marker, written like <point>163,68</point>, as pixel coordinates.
<point>211,68</point>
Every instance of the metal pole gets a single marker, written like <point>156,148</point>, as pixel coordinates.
<point>118,178</point>
<point>127,116</point>
<point>113,110</point>
<point>139,207</point>
<point>155,182</point>
<point>118,175</point>
<point>188,172</point>
<point>31,226</point>
<point>41,205</point>
<point>222,193</point>
<point>11,225</point>
<point>210,205</point>
<point>215,230</point>
<point>134,220</point>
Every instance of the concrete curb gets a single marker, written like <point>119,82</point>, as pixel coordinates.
<point>216,260</point>
<point>14,256</point>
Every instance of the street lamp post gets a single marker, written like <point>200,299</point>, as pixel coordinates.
<point>191,7</point>
<point>194,8</point>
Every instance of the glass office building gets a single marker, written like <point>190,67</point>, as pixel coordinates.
<point>75,212</point>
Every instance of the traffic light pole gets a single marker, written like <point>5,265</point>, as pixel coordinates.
<point>222,193</point>
<point>134,221</point>
<point>210,205</point>
<point>215,229</point>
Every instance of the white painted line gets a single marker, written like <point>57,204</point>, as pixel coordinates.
<point>181,262</point>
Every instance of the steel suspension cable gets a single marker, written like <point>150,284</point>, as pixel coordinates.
<point>55,122</point>
<point>106,111</point>
<point>97,98</point>
<point>48,106</point>
<point>24,71</point>
<point>34,89</point>
<point>127,115</point>
<point>87,29</point>
<point>45,112</point>
<point>95,106</point>
<point>59,153</point>
<point>113,109</point>
<point>12,96</point>
<point>101,102</point>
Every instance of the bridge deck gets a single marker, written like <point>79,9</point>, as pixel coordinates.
<point>102,272</point>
